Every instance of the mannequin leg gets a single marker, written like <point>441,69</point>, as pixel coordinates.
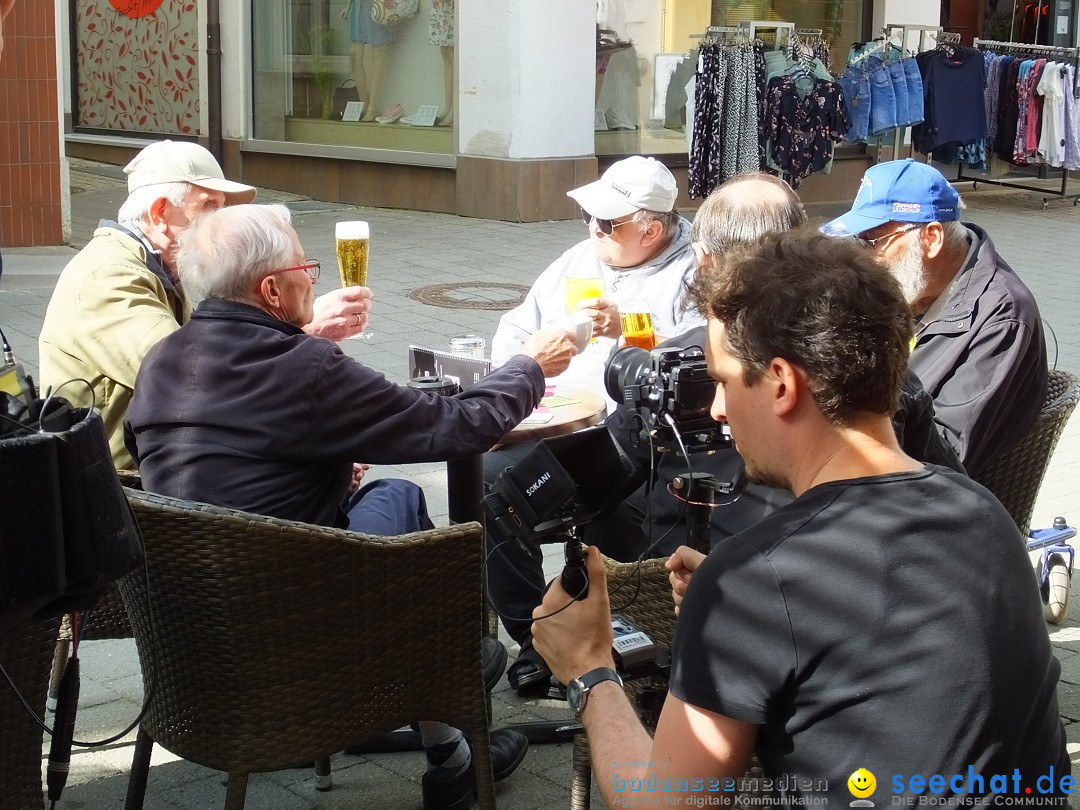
<point>378,70</point>
<point>447,118</point>
<point>360,74</point>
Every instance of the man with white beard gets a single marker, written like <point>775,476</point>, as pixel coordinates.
<point>979,348</point>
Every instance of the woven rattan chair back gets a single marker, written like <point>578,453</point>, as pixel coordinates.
<point>644,597</point>
<point>25,652</point>
<point>1015,476</point>
<point>265,642</point>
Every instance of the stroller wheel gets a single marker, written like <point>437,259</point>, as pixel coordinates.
<point>1056,590</point>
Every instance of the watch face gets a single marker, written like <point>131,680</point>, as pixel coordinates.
<point>574,694</point>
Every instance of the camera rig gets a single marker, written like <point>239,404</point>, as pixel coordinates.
<point>669,393</point>
<point>563,483</point>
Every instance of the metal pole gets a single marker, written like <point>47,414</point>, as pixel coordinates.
<point>213,78</point>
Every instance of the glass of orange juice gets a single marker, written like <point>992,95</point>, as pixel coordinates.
<point>637,326</point>
<point>582,284</point>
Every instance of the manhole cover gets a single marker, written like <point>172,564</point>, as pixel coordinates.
<point>471,295</point>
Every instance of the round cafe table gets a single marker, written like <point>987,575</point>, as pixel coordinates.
<point>563,409</point>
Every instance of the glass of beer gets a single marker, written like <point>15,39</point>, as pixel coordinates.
<point>352,255</point>
<point>637,327</point>
<point>581,285</point>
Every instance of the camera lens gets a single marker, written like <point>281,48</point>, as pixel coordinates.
<point>433,384</point>
<point>628,366</point>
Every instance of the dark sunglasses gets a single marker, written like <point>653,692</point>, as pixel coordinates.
<point>605,226</point>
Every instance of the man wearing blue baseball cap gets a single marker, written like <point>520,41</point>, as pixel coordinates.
<point>979,347</point>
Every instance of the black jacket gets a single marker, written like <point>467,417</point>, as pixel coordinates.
<point>983,359</point>
<point>242,410</point>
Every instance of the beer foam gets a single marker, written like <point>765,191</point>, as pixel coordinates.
<point>357,229</point>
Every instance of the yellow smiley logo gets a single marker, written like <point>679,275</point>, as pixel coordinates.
<point>861,783</point>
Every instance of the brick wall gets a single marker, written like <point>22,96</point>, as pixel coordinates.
<point>30,196</point>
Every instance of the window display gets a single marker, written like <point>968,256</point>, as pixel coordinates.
<point>370,73</point>
<point>646,52</point>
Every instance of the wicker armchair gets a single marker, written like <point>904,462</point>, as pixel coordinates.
<point>25,652</point>
<point>265,642</point>
<point>1015,477</point>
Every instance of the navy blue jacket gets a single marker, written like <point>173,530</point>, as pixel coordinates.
<point>242,410</point>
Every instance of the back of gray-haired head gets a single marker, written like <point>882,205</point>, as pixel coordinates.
<point>133,212</point>
<point>744,209</point>
<point>224,252</point>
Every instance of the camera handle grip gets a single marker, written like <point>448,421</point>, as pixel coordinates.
<point>575,580</point>
<point>575,577</point>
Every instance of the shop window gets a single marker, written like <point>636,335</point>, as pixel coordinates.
<point>135,73</point>
<point>325,72</point>
<point>646,53</point>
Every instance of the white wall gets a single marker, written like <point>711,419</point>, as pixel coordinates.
<point>235,69</point>
<point>526,78</point>
<point>63,102</point>
<point>906,12</point>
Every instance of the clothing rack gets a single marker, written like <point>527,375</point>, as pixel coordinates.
<point>926,34</point>
<point>1024,47</point>
<point>1043,169</point>
<point>751,28</point>
<point>721,32</point>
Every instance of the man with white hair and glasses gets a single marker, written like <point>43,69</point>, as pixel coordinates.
<point>241,409</point>
<point>979,348</point>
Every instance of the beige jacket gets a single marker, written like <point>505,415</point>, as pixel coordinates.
<point>107,310</point>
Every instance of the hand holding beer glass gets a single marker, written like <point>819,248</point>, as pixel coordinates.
<point>637,326</point>
<point>352,254</point>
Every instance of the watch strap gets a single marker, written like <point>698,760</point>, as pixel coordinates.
<point>591,679</point>
<point>599,675</point>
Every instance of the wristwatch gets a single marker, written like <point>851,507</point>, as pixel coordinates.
<point>577,691</point>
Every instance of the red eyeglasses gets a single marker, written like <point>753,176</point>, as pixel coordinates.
<point>310,266</point>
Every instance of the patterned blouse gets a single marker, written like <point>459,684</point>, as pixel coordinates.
<point>804,130</point>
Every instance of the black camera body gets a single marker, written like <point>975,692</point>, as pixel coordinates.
<point>670,393</point>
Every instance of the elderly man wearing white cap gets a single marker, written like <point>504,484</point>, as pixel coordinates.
<point>638,244</point>
<point>121,294</point>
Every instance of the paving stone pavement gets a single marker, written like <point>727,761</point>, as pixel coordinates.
<point>410,250</point>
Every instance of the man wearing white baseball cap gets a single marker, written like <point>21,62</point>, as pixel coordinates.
<point>979,348</point>
<point>638,245</point>
<point>121,294</point>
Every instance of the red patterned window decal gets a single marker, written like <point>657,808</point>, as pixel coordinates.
<point>135,8</point>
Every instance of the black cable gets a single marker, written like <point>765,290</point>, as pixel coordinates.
<point>51,392</point>
<point>502,615</point>
<point>1053,334</point>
